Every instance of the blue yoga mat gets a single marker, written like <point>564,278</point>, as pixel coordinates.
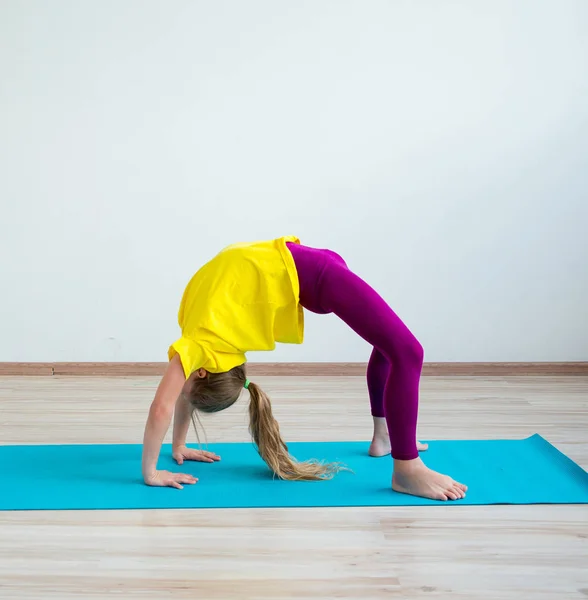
<point>529,471</point>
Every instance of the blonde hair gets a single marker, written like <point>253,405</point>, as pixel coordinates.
<point>218,391</point>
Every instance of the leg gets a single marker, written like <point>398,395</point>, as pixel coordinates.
<point>378,372</point>
<point>327,285</point>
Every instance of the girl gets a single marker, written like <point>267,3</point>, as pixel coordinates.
<point>251,296</point>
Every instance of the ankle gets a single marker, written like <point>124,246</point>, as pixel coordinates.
<point>405,467</point>
<point>380,428</point>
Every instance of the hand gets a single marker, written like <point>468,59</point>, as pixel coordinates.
<point>182,453</point>
<point>167,479</point>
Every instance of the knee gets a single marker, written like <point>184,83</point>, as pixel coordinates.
<point>418,352</point>
<point>410,351</point>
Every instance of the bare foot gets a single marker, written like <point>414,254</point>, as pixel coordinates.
<point>380,446</point>
<point>414,478</point>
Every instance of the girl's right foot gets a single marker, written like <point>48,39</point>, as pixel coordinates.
<point>415,478</point>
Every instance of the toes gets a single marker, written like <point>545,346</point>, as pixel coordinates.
<point>458,493</point>
<point>458,489</point>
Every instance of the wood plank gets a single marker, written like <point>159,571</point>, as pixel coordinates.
<point>109,369</point>
<point>26,368</point>
<point>317,369</point>
<point>505,369</point>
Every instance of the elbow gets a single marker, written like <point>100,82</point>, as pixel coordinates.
<point>160,413</point>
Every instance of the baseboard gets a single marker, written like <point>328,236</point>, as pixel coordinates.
<point>445,369</point>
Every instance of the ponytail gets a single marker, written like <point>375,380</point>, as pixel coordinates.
<point>271,447</point>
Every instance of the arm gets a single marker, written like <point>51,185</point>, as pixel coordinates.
<point>158,422</point>
<point>181,422</point>
<point>180,452</point>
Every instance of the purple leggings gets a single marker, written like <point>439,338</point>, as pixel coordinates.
<point>328,286</point>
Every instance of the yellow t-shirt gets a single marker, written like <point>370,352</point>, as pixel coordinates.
<point>245,298</point>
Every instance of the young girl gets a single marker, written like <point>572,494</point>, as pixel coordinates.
<point>251,296</point>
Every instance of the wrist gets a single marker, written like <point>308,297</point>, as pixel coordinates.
<point>148,470</point>
<point>149,476</point>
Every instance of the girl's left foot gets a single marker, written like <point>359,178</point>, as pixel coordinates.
<point>414,478</point>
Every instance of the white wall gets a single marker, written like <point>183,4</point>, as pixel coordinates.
<point>440,146</point>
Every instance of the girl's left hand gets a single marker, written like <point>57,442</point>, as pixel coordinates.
<point>182,453</point>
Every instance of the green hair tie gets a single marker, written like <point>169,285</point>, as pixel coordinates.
<point>247,382</point>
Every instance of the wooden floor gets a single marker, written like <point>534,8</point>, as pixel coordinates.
<point>493,552</point>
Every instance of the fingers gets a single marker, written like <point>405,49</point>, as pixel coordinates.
<point>212,455</point>
<point>180,460</point>
<point>182,478</point>
<point>202,456</point>
<point>175,480</point>
<point>187,479</point>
